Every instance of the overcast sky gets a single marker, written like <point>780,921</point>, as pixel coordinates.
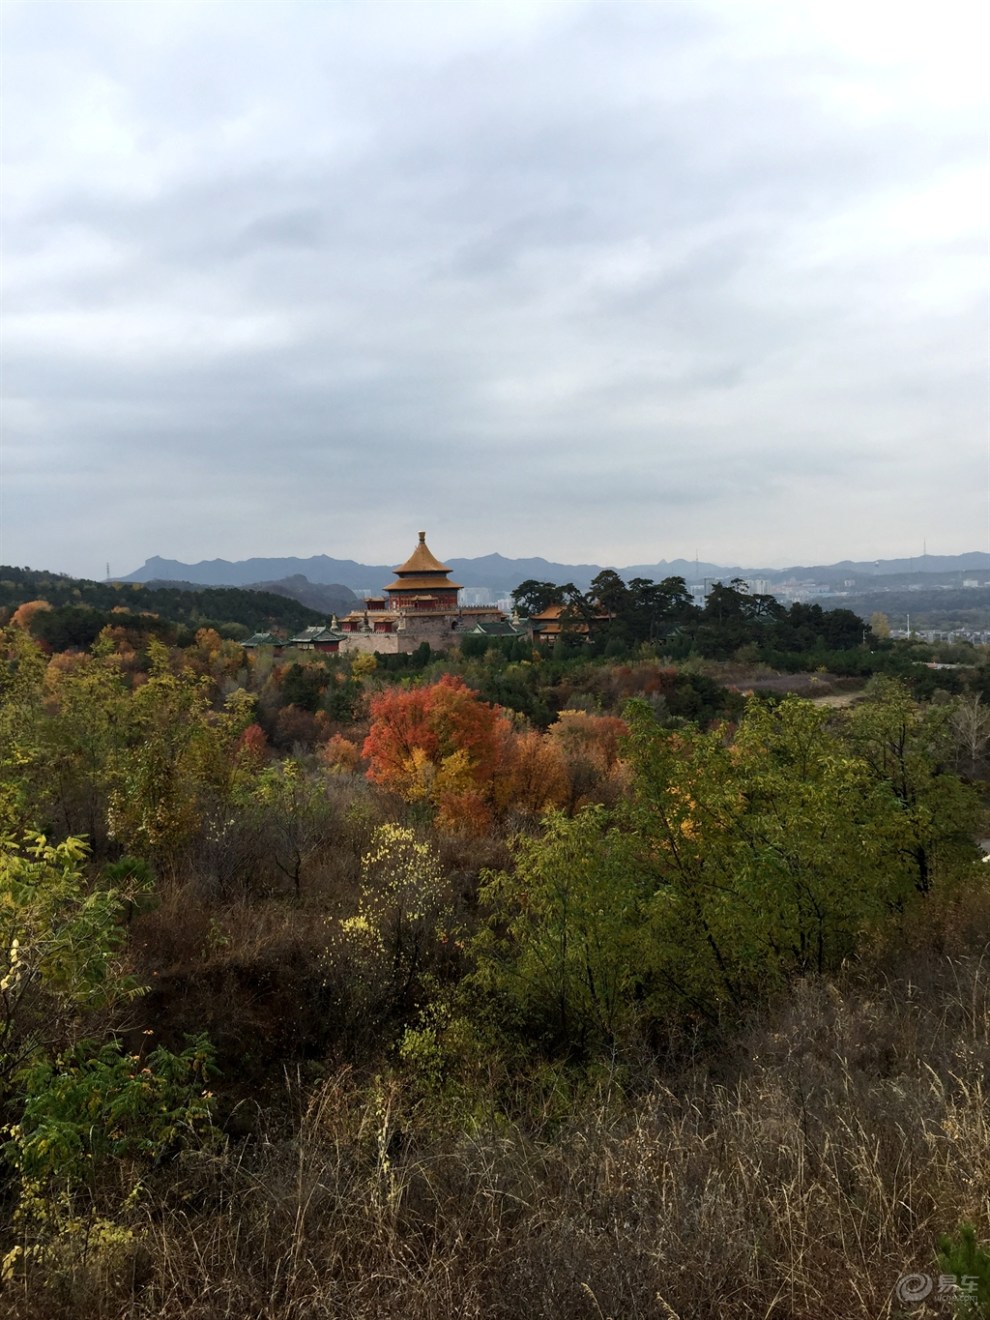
<point>603,282</point>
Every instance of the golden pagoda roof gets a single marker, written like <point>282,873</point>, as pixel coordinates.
<point>422,582</point>
<point>555,612</point>
<point>422,561</point>
<point>549,613</point>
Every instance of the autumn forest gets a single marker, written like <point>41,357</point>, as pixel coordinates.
<point>641,974</point>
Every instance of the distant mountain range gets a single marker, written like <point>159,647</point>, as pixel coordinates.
<point>502,575</point>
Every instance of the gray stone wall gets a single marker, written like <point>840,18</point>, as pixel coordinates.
<point>412,631</point>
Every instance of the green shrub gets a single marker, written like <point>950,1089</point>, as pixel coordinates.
<point>963,1258</point>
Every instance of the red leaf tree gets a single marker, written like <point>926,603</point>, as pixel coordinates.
<point>442,744</point>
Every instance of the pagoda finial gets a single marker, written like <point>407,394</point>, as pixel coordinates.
<point>422,538</point>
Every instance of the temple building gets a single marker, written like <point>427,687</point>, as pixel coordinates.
<point>421,605</point>
<point>422,583</point>
<point>561,620</point>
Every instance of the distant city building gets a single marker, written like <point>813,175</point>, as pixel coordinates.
<point>752,586</point>
<point>794,590</point>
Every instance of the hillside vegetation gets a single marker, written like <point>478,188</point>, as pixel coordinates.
<point>507,983</point>
<point>78,610</point>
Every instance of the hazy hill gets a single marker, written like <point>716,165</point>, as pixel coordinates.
<point>501,574</point>
<point>938,608</point>
<point>492,571</point>
<point>242,572</point>
<point>977,560</point>
<point>330,598</point>
<point>88,606</point>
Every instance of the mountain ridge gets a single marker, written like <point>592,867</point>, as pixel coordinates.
<point>500,574</point>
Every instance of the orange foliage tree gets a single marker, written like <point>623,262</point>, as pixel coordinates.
<point>535,777</point>
<point>23,615</point>
<point>590,746</point>
<point>443,745</point>
<point>340,755</point>
<point>252,748</point>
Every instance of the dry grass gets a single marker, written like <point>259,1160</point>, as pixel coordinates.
<point>796,1179</point>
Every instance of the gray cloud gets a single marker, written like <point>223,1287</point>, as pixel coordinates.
<point>613,281</point>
